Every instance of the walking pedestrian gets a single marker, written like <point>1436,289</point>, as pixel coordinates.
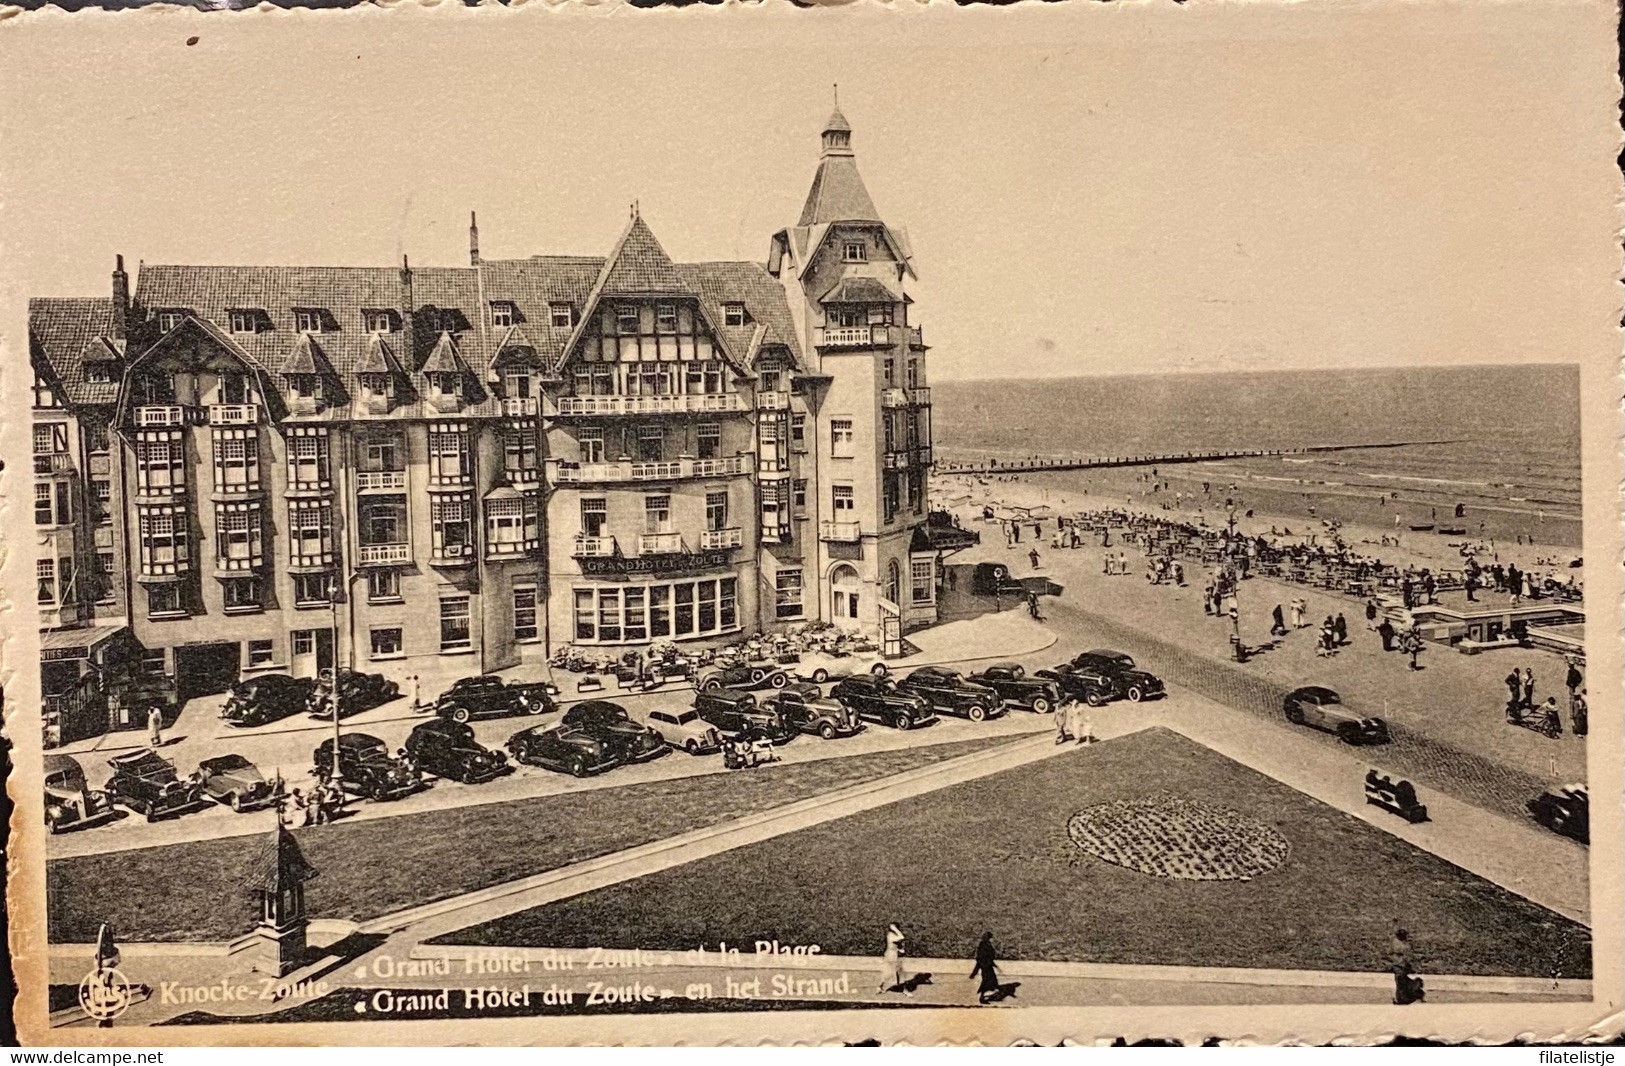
<point>1207,600</point>
<point>1297,613</point>
<point>1341,626</point>
<point>1514,685</point>
<point>1578,713</point>
<point>417,702</point>
<point>1413,646</point>
<point>1528,688</point>
<point>1401,961</point>
<point>1550,721</point>
<point>987,968</point>
<point>1573,680</point>
<point>155,727</point>
<point>891,961</point>
<point>1032,606</point>
<point>1277,623</point>
<point>1033,555</point>
<point>1063,721</point>
<point>1371,613</point>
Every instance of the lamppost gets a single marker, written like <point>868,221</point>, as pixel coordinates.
<point>1236,651</point>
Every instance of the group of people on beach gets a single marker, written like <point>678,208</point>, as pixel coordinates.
<point>1546,718</point>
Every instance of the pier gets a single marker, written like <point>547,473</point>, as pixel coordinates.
<point>1038,464</point>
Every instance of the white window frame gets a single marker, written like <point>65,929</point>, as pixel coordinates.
<point>789,592</point>
<point>923,581</point>
<point>460,608</point>
<point>503,314</point>
<point>854,251</point>
<point>307,320</point>
<point>733,314</point>
<point>842,438</point>
<point>374,654</point>
<point>561,315</point>
<point>243,320</point>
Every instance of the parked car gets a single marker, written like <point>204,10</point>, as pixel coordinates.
<point>489,696</point>
<point>949,693</point>
<point>1565,810</point>
<point>146,782</point>
<point>610,723</point>
<point>806,709</point>
<point>1321,708</point>
<point>1010,681</point>
<point>878,699</point>
<point>448,749</point>
<point>740,676</point>
<point>735,712</point>
<point>820,666</point>
<point>557,747</point>
<point>687,730</point>
<point>1084,688</point>
<point>68,800</point>
<point>356,691</point>
<point>267,698</point>
<point>1113,675</point>
<point>237,783</point>
<point>367,768</point>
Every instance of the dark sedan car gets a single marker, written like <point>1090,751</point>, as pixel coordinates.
<point>609,723</point>
<point>1321,708</point>
<point>356,692</point>
<point>1010,681</point>
<point>806,709</point>
<point>1112,675</point>
<point>448,749</point>
<point>1565,810</point>
<point>367,768</point>
<point>736,713</point>
<point>268,698</point>
<point>146,782</point>
<point>570,751</point>
<point>237,783</point>
<point>949,693</point>
<point>740,676</point>
<point>878,699</point>
<point>489,696</point>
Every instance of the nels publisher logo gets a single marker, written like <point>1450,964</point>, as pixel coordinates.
<point>104,994</point>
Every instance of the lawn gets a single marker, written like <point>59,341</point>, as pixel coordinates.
<point>193,891</point>
<point>994,854</point>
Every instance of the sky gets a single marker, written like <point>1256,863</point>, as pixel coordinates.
<point>1088,189</point>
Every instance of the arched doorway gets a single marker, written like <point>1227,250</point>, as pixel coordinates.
<point>844,587</point>
<point>894,582</point>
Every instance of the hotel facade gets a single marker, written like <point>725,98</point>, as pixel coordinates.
<point>242,470</point>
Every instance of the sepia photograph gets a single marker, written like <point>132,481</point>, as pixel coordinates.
<point>576,525</point>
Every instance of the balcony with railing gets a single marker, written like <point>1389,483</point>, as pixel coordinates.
<point>688,403</point>
<point>840,532</point>
<point>660,544</point>
<point>234,414</point>
<point>383,554</point>
<point>773,400</point>
<point>722,538</point>
<point>601,547</point>
<point>160,416</point>
<point>380,481</point>
<point>519,406</point>
<point>666,470</point>
<point>916,337</point>
<point>54,463</point>
<point>853,336</point>
<point>919,397</point>
<point>894,397</point>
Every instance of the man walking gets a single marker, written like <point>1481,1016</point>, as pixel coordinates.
<point>1341,626</point>
<point>1063,721</point>
<point>1033,555</point>
<point>1528,689</point>
<point>1514,702</point>
<point>1577,713</point>
<point>155,727</point>
<point>1371,613</point>
<point>1572,680</point>
<point>1401,961</point>
<point>1277,623</point>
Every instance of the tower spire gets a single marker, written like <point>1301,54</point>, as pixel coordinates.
<point>473,239</point>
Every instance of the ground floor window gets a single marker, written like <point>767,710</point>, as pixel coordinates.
<point>611,614</point>
<point>386,643</point>
<point>152,660</point>
<point>524,612</point>
<point>787,590</point>
<point>454,630</point>
<point>923,578</point>
<point>260,653</point>
<point>304,642</point>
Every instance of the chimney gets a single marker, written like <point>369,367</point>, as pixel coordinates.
<point>121,300</point>
<point>408,317</point>
<point>473,240</point>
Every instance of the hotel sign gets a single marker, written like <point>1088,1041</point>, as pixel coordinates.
<point>675,562</point>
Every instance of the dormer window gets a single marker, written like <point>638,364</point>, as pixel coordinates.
<point>307,320</point>
<point>306,386</point>
<point>854,252</point>
<point>168,320</point>
<point>626,318</point>
<point>562,315</point>
<point>245,321</point>
<point>665,318</point>
<point>446,386</point>
<point>502,314</point>
<point>451,320</point>
<point>378,385</point>
<point>98,373</point>
<point>377,322</point>
<point>733,314</point>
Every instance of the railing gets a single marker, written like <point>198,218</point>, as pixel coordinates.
<point>840,532</point>
<point>519,406</point>
<point>916,338</point>
<point>894,397</point>
<point>380,481</point>
<point>691,403</point>
<point>773,401</point>
<point>721,538</point>
<point>383,554</point>
<point>523,475</point>
<point>851,336</point>
<point>670,470</point>
<point>502,549</point>
<point>594,547</point>
<point>160,415</point>
<point>902,458</point>
<point>452,554</point>
<point>660,543</point>
<point>54,463</point>
<point>234,414</point>
<point>920,397</point>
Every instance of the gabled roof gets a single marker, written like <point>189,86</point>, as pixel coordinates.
<point>860,290</point>
<point>103,350</point>
<point>838,194</point>
<point>278,864</point>
<point>379,359</point>
<point>515,346</point>
<point>762,295</point>
<point>445,358</point>
<point>62,331</point>
<point>638,266</point>
<point>837,123</point>
<point>307,357</point>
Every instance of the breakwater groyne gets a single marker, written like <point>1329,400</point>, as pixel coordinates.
<point>1038,463</point>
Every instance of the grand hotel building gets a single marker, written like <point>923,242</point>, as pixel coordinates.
<point>255,469</point>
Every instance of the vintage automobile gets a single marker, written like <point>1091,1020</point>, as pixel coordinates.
<point>949,693</point>
<point>356,691</point>
<point>237,783</point>
<point>687,730</point>
<point>68,801</point>
<point>1565,810</point>
<point>609,723</point>
<point>806,709</point>
<point>740,676</point>
<point>1112,675</point>
<point>1010,681</point>
<point>268,698</point>
<point>820,666</point>
<point>489,696</point>
<point>878,699</point>
<point>367,768</point>
<point>556,747</point>
<point>448,749</point>
<point>1081,688</point>
<point>1321,708</point>
<point>736,713</point>
<point>145,782</point>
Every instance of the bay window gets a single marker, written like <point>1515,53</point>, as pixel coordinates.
<point>512,526</point>
<point>236,461</point>
<point>160,459</point>
<point>451,525</point>
<point>310,532</point>
<point>239,541</point>
<point>308,464</point>
<point>610,614</point>
<point>448,455</point>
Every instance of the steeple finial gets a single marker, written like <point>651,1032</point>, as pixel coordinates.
<point>634,209</point>
<point>837,87</point>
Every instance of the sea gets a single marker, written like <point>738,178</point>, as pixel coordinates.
<point>1503,442</point>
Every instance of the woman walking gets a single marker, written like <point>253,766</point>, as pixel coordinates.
<point>987,967</point>
<point>891,962</point>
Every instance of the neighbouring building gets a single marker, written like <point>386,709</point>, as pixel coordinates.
<point>252,469</point>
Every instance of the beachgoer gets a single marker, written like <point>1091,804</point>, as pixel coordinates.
<point>1407,987</point>
<point>1514,702</point>
<point>1371,613</point>
<point>1413,646</point>
<point>891,962</point>
<point>1032,605</point>
<point>1341,626</point>
<point>1528,688</point>
<point>1277,623</point>
<point>155,727</point>
<point>1578,713</point>
<point>1033,555</point>
<point>1573,679</point>
<point>1549,718</point>
<point>986,968</point>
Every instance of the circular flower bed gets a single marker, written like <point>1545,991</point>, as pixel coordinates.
<point>1165,836</point>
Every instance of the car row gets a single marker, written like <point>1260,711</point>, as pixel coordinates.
<point>270,698</point>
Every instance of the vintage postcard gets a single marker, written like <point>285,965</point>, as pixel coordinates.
<point>569,524</point>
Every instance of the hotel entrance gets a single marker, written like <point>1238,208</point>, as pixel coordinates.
<point>844,588</point>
